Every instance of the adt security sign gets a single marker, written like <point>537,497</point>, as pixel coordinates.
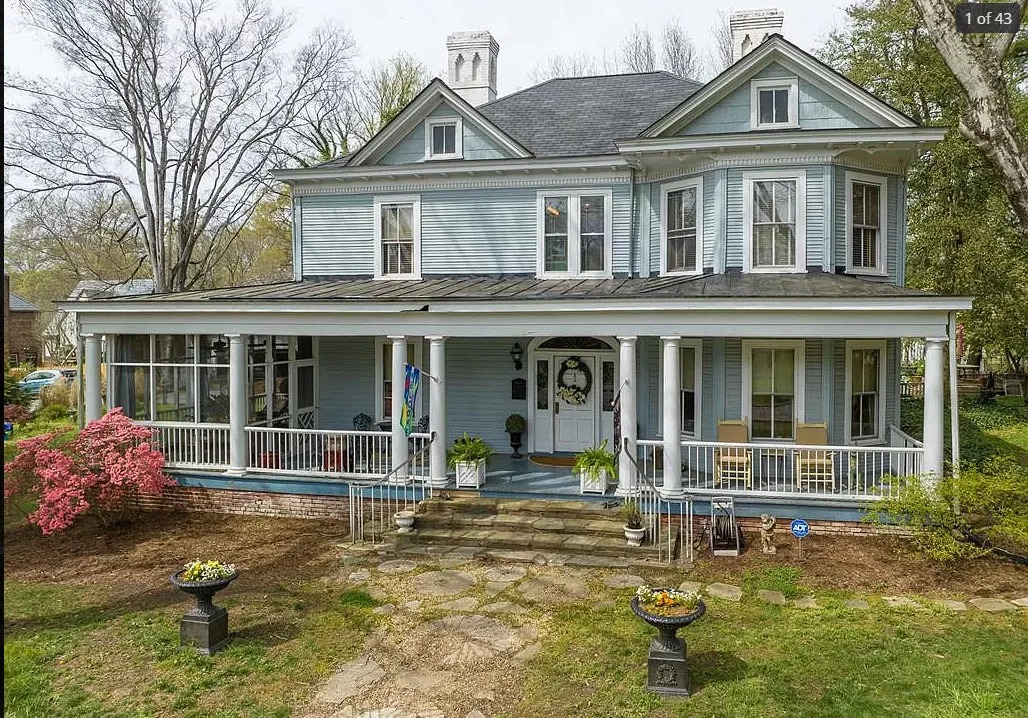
<point>799,528</point>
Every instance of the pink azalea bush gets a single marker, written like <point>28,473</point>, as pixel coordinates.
<point>108,462</point>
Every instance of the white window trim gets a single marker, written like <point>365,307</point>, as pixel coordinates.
<point>881,346</point>
<point>380,343</point>
<point>748,178</point>
<point>697,346</point>
<point>775,83</point>
<point>381,200</point>
<point>883,207</point>
<point>458,138</point>
<point>574,239</point>
<point>799,381</point>
<point>665,190</point>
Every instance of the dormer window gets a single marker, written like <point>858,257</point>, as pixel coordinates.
<point>443,139</point>
<point>774,104</point>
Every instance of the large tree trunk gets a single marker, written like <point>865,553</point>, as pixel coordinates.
<point>976,62</point>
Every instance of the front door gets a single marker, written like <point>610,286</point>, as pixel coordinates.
<point>574,426</point>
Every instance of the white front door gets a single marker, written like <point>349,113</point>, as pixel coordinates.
<point>574,425</point>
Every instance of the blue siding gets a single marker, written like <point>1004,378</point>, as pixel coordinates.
<point>478,376</point>
<point>346,380</point>
<point>818,110</point>
<point>813,386</point>
<point>477,144</point>
<point>733,379</point>
<point>337,233</point>
<point>837,427</point>
<point>717,388</point>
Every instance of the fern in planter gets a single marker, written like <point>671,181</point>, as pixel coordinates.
<point>592,461</point>
<point>468,449</point>
<point>632,515</point>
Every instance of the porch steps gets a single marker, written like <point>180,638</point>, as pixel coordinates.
<point>574,528</point>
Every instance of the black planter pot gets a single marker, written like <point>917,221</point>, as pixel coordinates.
<point>205,625</point>
<point>515,443</point>
<point>667,667</point>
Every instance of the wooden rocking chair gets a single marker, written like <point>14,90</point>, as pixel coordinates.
<point>816,466</point>
<point>733,463</point>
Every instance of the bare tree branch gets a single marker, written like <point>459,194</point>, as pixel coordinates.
<point>679,52</point>
<point>637,54</point>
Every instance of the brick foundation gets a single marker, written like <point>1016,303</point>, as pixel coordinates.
<point>247,503</point>
<point>751,524</point>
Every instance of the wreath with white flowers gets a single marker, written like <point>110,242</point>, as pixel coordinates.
<point>573,393</point>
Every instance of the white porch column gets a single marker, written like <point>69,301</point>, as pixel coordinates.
<point>672,425</point>
<point>237,391</point>
<point>437,410</point>
<point>626,382</point>
<point>934,391</point>
<point>94,400</point>
<point>400,451</point>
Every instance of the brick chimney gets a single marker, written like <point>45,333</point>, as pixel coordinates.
<point>752,27</point>
<point>472,65</point>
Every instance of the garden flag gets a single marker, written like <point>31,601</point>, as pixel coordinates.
<point>616,405</point>
<point>411,382</point>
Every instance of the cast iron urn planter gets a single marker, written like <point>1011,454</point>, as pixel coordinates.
<point>205,625</point>
<point>515,444</point>
<point>668,670</point>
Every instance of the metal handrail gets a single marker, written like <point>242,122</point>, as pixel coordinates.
<point>654,499</point>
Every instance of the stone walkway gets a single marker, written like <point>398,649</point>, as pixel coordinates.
<point>455,632</point>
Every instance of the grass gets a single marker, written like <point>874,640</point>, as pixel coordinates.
<point>995,428</point>
<point>752,659</point>
<point>73,651</point>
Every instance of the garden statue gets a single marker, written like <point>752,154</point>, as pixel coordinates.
<point>767,534</point>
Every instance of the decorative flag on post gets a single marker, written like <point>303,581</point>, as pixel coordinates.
<point>616,405</point>
<point>411,382</point>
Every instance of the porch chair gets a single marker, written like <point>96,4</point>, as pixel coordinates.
<point>420,428</point>
<point>733,463</point>
<point>817,466</point>
<point>370,454</point>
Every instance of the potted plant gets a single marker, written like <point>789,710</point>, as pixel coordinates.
<point>594,466</point>
<point>205,625</point>
<point>468,456</point>
<point>634,530</point>
<point>667,610</point>
<point>515,426</point>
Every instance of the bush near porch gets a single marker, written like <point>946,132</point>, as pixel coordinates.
<point>91,630</point>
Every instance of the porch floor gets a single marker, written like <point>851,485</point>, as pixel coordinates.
<point>523,476</point>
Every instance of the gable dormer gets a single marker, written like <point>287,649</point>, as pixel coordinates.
<point>438,125</point>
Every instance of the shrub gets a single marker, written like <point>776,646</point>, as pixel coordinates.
<point>985,505</point>
<point>16,414</point>
<point>101,467</point>
<point>52,412</point>
<point>13,392</point>
<point>61,393</point>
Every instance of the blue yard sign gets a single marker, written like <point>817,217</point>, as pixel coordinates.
<point>799,528</point>
<point>411,382</point>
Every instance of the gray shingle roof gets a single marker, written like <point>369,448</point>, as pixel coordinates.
<point>585,115</point>
<point>480,288</point>
<point>100,289</point>
<point>21,305</point>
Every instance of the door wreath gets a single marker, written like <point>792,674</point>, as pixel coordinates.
<point>574,393</point>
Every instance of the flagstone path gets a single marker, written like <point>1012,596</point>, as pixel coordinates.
<point>450,645</point>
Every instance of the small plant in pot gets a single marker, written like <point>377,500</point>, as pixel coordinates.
<point>634,530</point>
<point>594,467</point>
<point>515,426</point>
<point>205,626</point>
<point>468,456</point>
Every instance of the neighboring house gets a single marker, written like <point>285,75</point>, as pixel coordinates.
<point>726,260</point>
<point>60,338</point>
<point>21,328</point>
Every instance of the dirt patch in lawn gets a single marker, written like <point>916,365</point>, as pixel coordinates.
<point>139,556</point>
<point>869,564</point>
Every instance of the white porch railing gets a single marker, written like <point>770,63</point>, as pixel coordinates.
<point>668,521</point>
<point>373,504</point>
<point>188,445</point>
<point>759,469</point>
<point>327,452</point>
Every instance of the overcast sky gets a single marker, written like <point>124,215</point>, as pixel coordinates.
<point>527,30</point>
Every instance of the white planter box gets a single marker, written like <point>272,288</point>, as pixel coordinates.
<point>470,474</point>
<point>593,482</point>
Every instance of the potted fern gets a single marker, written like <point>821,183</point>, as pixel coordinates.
<point>468,456</point>
<point>594,467</point>
<point>634,530</point>
<point>515,426</point>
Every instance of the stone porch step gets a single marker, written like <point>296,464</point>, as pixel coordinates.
<point>524,522</point>
<point>533,507</point>
<point>591,545</point>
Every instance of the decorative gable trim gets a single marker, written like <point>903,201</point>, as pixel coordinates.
<point>417,110</point>
<point>778,49</point>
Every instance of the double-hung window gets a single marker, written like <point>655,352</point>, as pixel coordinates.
<point>575,234</point>
<point>398,237</point>
<point>774,103</point>
<point>444,139</point>
<point>774,221</point>
<point>865,380</point>
<point>865,223</point>
<point>773,388</point>
<point>682,227</point>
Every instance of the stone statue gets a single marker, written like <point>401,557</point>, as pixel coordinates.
<point>767,534</point>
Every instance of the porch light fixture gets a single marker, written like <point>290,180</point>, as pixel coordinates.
<point>515,356</point>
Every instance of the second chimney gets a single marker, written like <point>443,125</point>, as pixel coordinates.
<point>472,65</point>
<point>752,27</point>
